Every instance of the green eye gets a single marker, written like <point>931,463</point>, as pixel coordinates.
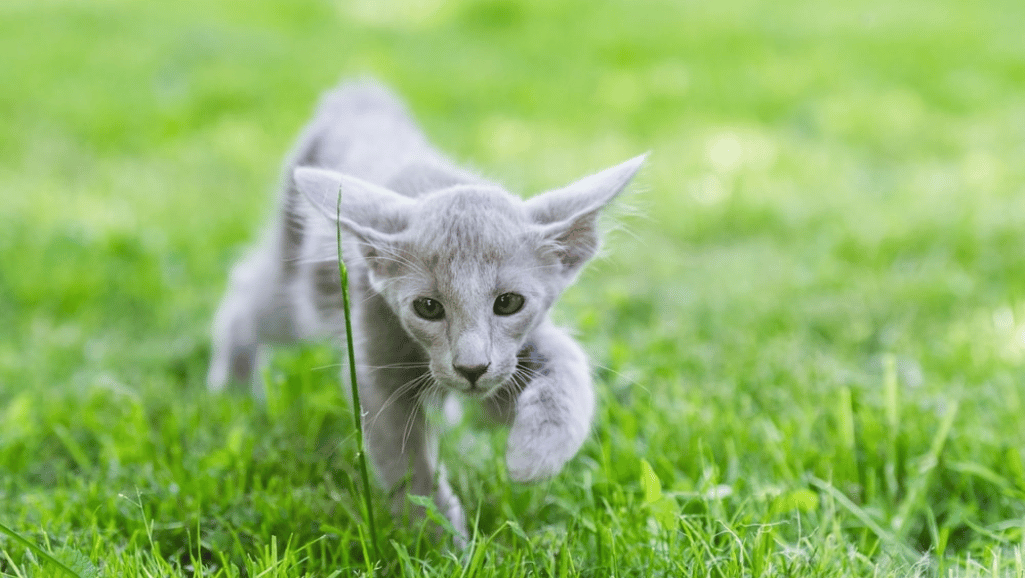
<point>508,303</point>
<point>428,308</point>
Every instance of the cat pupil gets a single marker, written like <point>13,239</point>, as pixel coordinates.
<point>428,308</point>
<point>508,303</point>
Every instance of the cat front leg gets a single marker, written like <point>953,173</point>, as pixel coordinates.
<point>553,411</point>
<point>404,449</point>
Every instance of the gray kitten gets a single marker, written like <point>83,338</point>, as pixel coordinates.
<point>452,279</point>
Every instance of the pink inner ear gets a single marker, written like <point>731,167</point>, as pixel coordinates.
<point>573,241</point>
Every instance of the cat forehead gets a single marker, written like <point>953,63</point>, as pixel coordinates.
<point>470,222</point>
<point>472,199</point>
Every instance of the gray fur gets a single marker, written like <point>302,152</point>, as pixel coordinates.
<point>418,226</point>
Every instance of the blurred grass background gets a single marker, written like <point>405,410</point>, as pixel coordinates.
<point>825,269</point>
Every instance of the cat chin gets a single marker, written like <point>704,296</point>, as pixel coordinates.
<point>476,392</point>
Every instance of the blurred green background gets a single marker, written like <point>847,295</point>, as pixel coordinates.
<point>810,323</point>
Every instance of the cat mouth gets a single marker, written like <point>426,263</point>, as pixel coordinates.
<point>482,388</point>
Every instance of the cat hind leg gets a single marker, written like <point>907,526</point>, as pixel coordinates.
<point>240,325</point>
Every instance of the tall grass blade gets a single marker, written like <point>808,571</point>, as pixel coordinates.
<point>80,562</point>
<point>865,518</point>
<point>891,398</point>
<point>357,408</point>
<point>916,496</point>
<point>848,435</point>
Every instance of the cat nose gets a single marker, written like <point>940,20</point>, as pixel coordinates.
<point>472,372</point>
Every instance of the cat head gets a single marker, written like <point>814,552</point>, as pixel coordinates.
<point>469,270</point>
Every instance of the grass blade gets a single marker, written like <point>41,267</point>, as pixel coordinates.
<point>357,408</point>
<point>865,518</point>
<point>46,555</point>
<point>891,399</point>
<point>916,497</point>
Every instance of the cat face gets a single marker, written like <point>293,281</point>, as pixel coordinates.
<point>469,279</point>
<point>470,270</point>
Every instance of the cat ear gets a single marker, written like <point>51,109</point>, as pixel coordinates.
<point>371,213</point>
<point>568,217</point>
<point>366,207</point>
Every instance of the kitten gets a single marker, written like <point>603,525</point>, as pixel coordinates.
<point>451,279</point>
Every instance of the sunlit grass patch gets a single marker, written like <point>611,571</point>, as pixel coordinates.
<point>808,344</point>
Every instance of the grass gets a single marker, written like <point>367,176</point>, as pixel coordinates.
<point>809,349</point>
<point>354,401</point>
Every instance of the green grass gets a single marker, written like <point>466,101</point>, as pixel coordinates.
<point>810,347</point>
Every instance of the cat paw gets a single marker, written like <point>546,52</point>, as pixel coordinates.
<point>538,450</point>
<point>453,511</point>
<point>527,462</point>
<point>551,422</point>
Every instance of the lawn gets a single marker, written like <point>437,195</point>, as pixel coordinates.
<point>808,327</point>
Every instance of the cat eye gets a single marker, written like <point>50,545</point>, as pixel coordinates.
<point>508,303</point>
<point>428,308</point>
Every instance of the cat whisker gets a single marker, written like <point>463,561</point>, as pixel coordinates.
<point>383,254</point>
<point>505,397</point>
<point>328,366</point>
<point>617,374</point>
<point>313,261</point>
<point>387,284</point>
<point>431,387</point>
<point>400,391</point>
<point>401,258</point>
<point>402,365</point>
<point>410,365</point>
<point>526,374</point>
<point>407,365</point>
